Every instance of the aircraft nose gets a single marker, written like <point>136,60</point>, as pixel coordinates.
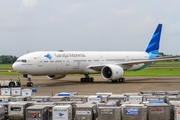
<point>15,66</point>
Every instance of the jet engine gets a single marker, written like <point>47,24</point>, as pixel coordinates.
<point>56,76</point>
<point>112,72</point>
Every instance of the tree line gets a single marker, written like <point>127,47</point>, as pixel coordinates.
<point>7,59</point>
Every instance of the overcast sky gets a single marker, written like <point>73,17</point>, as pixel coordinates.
<point>87,25</point>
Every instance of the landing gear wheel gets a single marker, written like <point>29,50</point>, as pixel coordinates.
<point>29,84</point>
<point>87,79</point>
<point>82,79</point>
<point>91,79</point>
<point>123,80</point>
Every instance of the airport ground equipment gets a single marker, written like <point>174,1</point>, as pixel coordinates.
<point>104,94</point>
<point>120,98</point>
<point>95,98</point>
<point>109,103</point>
<point>101,104</point>
<point>135,99</point>
<point>5,98</point>
<point>173,93</point>
<point>20,98</point>
<point>65,103</point>
<point>160,93</point>
<point>2,112</point>
<point>17,110</point>
<point>5,91</point>
<point>85,112</point>
<point>109,113</point>
<point>104,98</point>
<point>62,112</point>
<point>60,98</point>
<point>27,92</point>
<point>149,93</point>
<point>40,98</point>
<point>131,94</point>
<point>49,105</point>
<point>5,105</point>
<point>37,112</point>
<point>79,98</point>
<point>16,91</point>
<point>177,113</point>
<point>8,83</point>
<point>158,111</point>
<point>67,94</point>
<point>172,106</point>
<point>172,98</point>
<point>155,98</point>
<point>134,112</point>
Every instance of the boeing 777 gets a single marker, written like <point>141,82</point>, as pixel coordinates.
<point>57,64</point>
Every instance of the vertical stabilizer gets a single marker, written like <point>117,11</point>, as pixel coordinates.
<point>153,47</point>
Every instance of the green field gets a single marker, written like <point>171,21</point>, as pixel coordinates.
<point>145,72</point>
<point>5,66</point>
<point>167,63</point>
<point>10,73</point>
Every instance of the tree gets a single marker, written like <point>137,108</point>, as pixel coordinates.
<point>7,59</point>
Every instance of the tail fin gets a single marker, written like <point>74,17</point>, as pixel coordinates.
<point>153,47</point>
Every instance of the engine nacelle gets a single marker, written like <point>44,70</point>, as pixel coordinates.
<point>112,72</point>
<point>56,76</point>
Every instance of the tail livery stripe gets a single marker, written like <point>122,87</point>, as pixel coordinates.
<point>153,46</point>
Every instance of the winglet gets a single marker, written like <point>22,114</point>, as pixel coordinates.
<point>153,47</point>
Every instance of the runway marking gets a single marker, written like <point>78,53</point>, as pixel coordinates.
<point>146,86</point>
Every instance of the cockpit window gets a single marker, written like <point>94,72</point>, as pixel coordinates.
<point>24,61</point>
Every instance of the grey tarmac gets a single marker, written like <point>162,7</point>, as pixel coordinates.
<point>48,87</point>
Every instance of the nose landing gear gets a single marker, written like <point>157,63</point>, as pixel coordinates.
<point>29,83</point>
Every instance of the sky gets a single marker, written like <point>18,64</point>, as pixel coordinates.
<point>87,25</point>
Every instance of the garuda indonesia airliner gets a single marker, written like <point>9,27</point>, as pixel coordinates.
<point>111,64</point>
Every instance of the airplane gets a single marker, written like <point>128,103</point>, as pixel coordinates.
<point>111,64</point>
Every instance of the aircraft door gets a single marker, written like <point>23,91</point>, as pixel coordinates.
<point>67,62</point>
<point>127,59</point>
<point>101,59</point>
<point>40,62</point>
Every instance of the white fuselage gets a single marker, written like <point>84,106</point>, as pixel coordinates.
<point>55,62</point>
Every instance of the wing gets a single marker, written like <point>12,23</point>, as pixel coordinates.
<point>131,63</point>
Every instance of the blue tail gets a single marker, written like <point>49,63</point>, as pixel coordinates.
<point>153,47</point>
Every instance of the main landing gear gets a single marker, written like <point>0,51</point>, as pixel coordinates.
<point>87,78</point>
<point>29,83</point>
<point>118,80</point>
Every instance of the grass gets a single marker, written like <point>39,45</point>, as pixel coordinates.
<point>5,65</point>
<point>154,72</point>
<point>167,63</point>
<point>10,73</point>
